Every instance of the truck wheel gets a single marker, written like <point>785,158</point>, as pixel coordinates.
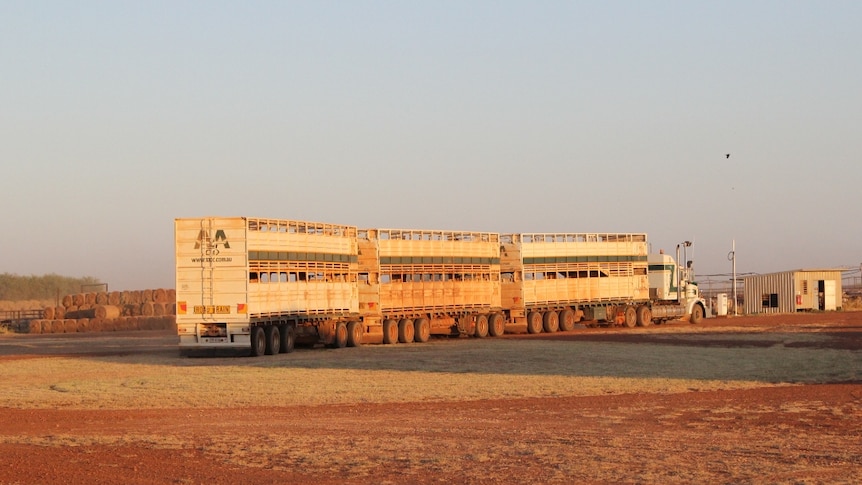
<point>644,316</point>
<point>340,340</point>
<point>481,330</point>
<point>258,341</point>
<point>390,331</point>
<point>567,320</point>
<point>354,334</point>
<point>496,325</point>
<point>406,331</point>
<point>273,340</point>
<point>551,321</point>
<point>421,330</point>
<point>696,314</point>
<point>288,339</point>
<point>534,322</point>
<point>630,316</point>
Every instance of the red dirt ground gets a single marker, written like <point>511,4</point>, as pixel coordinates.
<point>794,434</point>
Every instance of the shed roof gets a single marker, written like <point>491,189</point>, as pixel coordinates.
<point>801,270</point>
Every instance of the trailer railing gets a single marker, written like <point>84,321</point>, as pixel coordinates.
<point>21,315</point>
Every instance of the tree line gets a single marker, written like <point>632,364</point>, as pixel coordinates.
<point>46,287</point>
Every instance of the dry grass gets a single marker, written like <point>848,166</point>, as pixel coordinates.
<point>439,371</point>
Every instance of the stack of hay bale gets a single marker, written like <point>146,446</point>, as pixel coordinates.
<point>109,311</point>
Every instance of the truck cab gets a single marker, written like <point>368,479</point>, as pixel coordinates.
<point>673,292</point>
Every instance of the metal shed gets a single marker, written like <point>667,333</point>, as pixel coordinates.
<point>793,291</point>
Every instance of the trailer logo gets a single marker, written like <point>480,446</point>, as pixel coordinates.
<point>211,244</point>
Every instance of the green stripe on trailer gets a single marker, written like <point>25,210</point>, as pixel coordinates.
<point>584,259</point>
<point>304,257</point>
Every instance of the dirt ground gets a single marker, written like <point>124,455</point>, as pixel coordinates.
<point>794,433</point>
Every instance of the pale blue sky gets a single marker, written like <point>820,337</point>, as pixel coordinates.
<point>116,117</point>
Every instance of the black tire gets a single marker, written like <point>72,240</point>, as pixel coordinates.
<point>406,331</point>
<point>496,325</point>
<point>696,314</point>
<point>644,316</point>
<point>273,340</point>
<point>481,330</point>
<point>390,331</point>
<point>340,340</point>
<point>534,322</point>
<point>288,339</point>
<point>258,341</point>
<point>567,320</point>
<point>354,334</point>
<point>551,321</point>
<point>421,330</point>
<point>630,316</point>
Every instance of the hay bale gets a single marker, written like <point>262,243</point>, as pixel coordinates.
<point>154,323</point>
<point>109,326</point>
<point>146,296</point>
<point>134,323</point>
<point>67,301</point>
<point>89,298</point>
<point>101,298</point>
<point>95,325</point>
<point>172,294</point>
<point>171,309</point>
<point>115,298</point>
<point>158,309</point>
<point>160,295</point>
<point>31,326</point>
<point>106,311</point>
<point>70,325</point>
<point>147,309</point>
<point>59,312</point>
<point>48,313</point>
<point>83,325</point>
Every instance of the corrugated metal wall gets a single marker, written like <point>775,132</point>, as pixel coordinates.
<point>760,293</point>
<point>789,291</point>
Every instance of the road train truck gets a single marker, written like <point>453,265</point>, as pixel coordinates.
<point>268,284</point>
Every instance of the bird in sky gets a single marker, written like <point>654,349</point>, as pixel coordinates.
<point>727,155</point>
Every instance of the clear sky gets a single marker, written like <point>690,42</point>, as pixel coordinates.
<point>552,116</point>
